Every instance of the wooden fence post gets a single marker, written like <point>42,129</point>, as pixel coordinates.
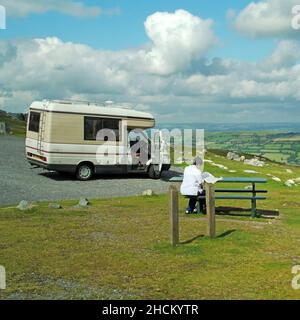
<point>210,209</point>
<point>174,218</point>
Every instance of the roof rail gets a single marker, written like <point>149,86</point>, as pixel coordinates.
<point>105,104</point>
<point>66,101</point>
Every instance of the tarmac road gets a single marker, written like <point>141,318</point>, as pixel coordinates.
<point>18,181</point>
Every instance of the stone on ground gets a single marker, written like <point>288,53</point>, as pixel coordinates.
<point>24,205</point>
<point>233,156</point>
<point>250,171</point>
<point>83,202</point>
<point>54,206</point>
<point>148,193</point>
<point>276,179</point>
<point>255,162</point>
<point>290,183</point>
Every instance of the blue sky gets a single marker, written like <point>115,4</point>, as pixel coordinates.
<point>125,29</point>
<point>219,61</point>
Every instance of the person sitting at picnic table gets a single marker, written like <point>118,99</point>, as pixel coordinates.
<point>192,185</point>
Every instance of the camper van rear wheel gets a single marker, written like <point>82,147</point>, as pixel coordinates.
<point>84,172</point>
<point>154,174</point>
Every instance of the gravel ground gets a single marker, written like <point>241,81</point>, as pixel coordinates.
<point>19,182</point>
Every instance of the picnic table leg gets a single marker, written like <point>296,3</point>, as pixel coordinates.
<point>198,206</point>
<point>253,202</point>
<point>210,209</point>
<point>174,218</point>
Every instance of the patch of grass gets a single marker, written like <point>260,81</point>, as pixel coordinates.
<point>119,248</point>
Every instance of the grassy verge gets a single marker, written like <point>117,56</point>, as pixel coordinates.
<point>119,249</point>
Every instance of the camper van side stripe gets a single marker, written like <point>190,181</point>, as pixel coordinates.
<point>95,153</point>
<point>93,114</point>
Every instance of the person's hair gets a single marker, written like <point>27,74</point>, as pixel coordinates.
<point>198,161</point>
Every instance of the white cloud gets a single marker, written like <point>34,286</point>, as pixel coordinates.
<point>286,54</point>
<point>178,39</point>
<point>268,18</point>
<point>182,88</point>
<point>21,8</point>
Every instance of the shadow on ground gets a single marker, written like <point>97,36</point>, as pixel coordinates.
<point>166,176</point>
<point>242,212</point>
<point>223,235</point>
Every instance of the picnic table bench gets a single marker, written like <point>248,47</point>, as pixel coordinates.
<point>253,197</point>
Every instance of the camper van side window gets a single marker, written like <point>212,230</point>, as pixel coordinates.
<point>93,125</point>
<point>114,125</point>
<point>34,121</point>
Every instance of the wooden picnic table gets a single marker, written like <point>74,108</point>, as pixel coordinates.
<point>229,179</point>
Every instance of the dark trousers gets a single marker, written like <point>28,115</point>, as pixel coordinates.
<point>193,201</point>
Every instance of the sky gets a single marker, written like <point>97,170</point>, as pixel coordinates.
<point>184,61</point>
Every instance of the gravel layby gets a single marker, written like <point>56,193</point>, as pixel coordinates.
<point>19,182</point>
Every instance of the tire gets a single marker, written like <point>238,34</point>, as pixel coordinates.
<point>84,172</point>
<point>153,174</point>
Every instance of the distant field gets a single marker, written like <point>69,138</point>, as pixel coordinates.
<point>289,138</point>
<point>279,147</point>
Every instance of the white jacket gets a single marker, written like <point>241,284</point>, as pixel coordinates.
<point>192,179</point>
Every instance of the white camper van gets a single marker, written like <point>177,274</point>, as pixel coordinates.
<point>63,136</point>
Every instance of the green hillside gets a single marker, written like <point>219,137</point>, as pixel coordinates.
<point>119,248</point>
<point>276,146</point>
<point>16,127</point>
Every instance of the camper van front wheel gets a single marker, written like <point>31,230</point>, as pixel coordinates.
<point>84,171</point>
